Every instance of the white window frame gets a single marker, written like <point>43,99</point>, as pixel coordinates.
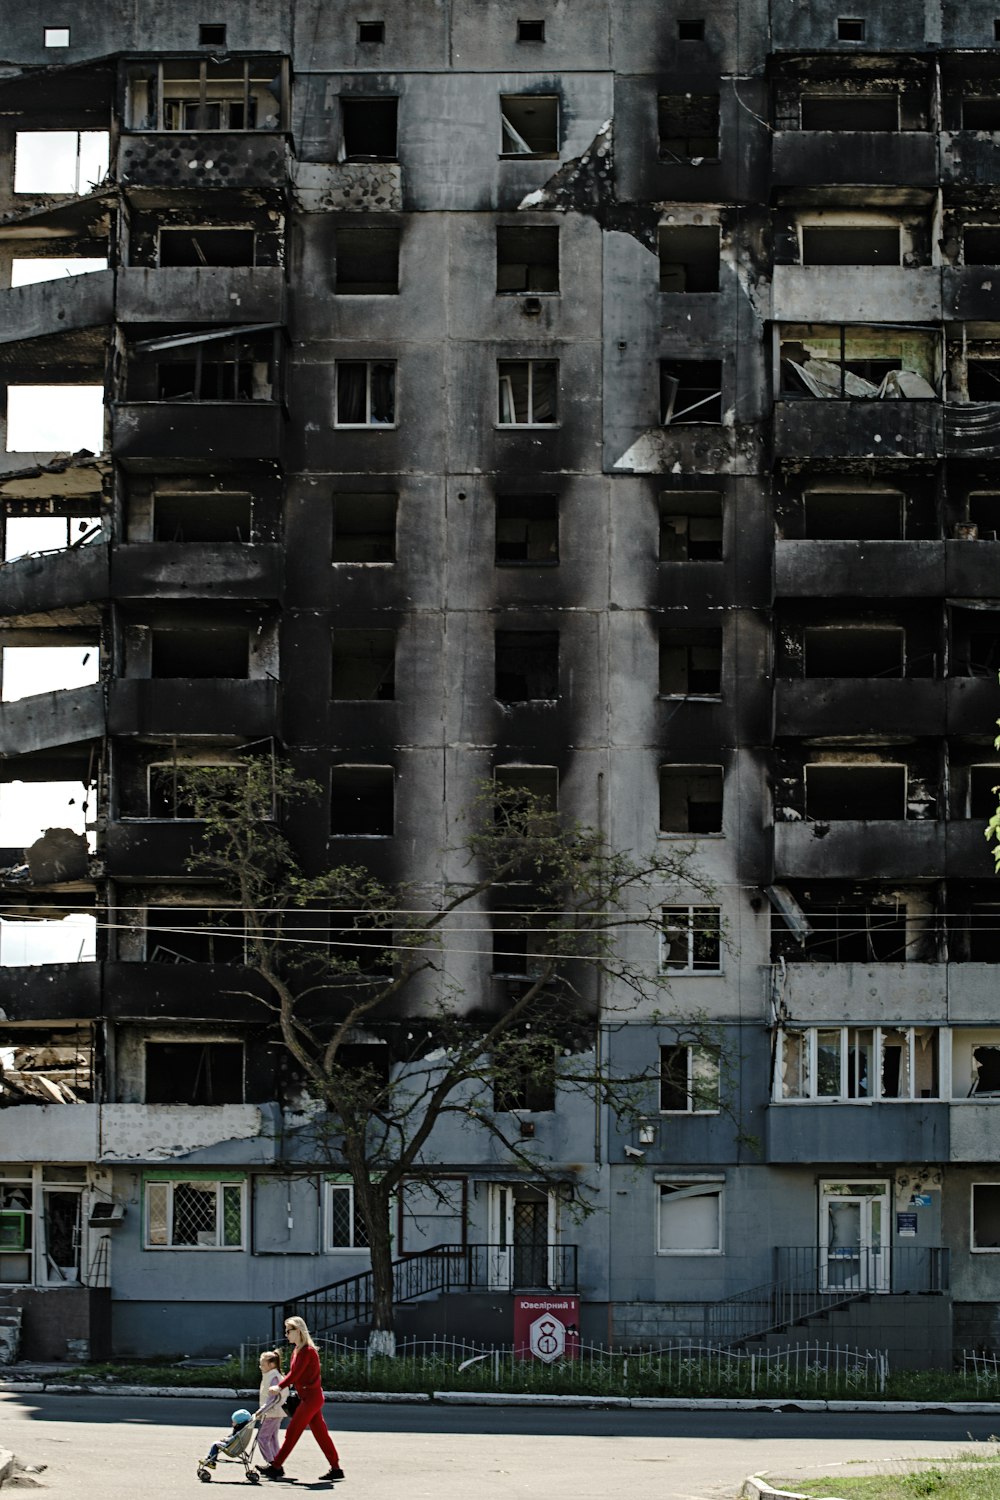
<point>706,1186</point>
<point>504,381</point>
<point>331,1187</point>
<point>690,908</point>
<point>368,425</point>
<point>811,1094</point>
<point>975,1249</point>
<point>169,1185</point>
<point>696,1053</point>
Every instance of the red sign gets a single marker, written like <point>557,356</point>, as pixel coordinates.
<point>547,1328</point>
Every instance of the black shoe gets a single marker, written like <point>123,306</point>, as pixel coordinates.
<point>332,1474</point>
<point>271,1471</point>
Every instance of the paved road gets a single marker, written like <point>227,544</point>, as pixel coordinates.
<point>145,1449</point>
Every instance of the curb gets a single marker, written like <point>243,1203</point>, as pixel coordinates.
<point>756,1488</point>
<point>7,1462</point>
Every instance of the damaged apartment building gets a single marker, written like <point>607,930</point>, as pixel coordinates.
<point>605,397</point>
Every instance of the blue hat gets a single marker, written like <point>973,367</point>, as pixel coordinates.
<point>242,1417</point>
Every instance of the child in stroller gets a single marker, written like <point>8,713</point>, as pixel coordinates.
<point>238,1446</point>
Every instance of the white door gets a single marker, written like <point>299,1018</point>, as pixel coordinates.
<point>854,1237</point>
<point>500,1250</point>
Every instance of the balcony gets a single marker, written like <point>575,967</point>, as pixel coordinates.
<point>52,992</point>
<point>972,429</point>
<point>852,294</point>
<point>198,160</point>
<point>831,992</point>
<point>906,158</point>
<point>969,158</point>
<point>54,580</point>
<point>861,569</point>
<point>163,1132</point>
<point>51,1132</point>
<point>835,707</point>
<point>973,1132</point>
<point>47,720</point>
<point>236,432</point>
<point>203,705</point>
<point>849,850</point>
<point>147,848</point>
<point>807,428</point>
<point>970,294</point>
<point>858,1133</point>
<point>215,295</point>
<point>56,307</point>
<point>183,992</point>
<point>969,856</point>
<point>190,570</point>
<point>973,705</point>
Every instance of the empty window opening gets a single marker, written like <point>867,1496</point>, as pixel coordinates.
<point>209,652</point>
<point>369,129</point>
<point>847,515</point>
<point>983,377</point>
<point>690,527</point>
<point>854,651</point>
<point>981,114</point>
<point>531,31</point>
<point>690,799</point>
<point>855,793</point>
<point>691,30</point>
<point>984,513</point>
<point>371,31</point>
<point>689,1079</point>
<point>50,1066</point>
<point>67,162</point>
<point>529,125</point>
<point>976,654</point>
<point>71,939</point>
<point>211,34</point>
<point>28,808</point>
<point>359,944</point>
<point>195,935</point>
<point>27,270</point>
<point>525,1079</point>
<point>527,665</point>
<point>208,517</point>
<point>364,665</point>
<point>690,390</point>
<point>689,258</point>
<point>982,933</point>
<point>527,258</point>
<point>207,93</point>
<point>996,30</point>
<point>56,36</point>
<point>55,418</point>
<point>362,801</point>
<point>850,112</point>
<point>983,781</point>
<point>365,393</point>
<point>524,786</point>
<point>44,669</point>
<point>207,247</point>
<point>194,1073</point>
<point>857,932</point>
<point>27,535</point>
<point>850,29</point>
<point>986,1070</point>
<point>688,127</point>
<point>527,531</point>
<point>690,663</point>
<point>986,1216</point>
<point>833,362</point>
<point>219,370</point>
<point>367,262</point>
<point>170,794</point>
<point>528,390</point>
<point>910,1063</point>
<point>691,940</point>
<point>689,1221</point>
<point>364,528</point>
<point>520,945</point>
<point>981,245</point>
<point>850,247</point>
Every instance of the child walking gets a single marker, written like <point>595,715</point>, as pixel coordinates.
<point>272,1405</point>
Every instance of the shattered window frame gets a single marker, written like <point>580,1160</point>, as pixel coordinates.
<point>516,392</point>
<point>695,386</point>
<point>167,1202</point>
<point>690,1077</point>
<point>850,355</point>
<point>850,1064</point>
<point>690,939</point>
<point>513,143</point>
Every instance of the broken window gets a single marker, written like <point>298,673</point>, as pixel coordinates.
<point>16,1224</point>
<point>690,940</point>
<point>531,31</point>
<point>690,663</point>
<point>983,782</point>
<point>195,935</point>
<point>527,530</point>
<point>844,1063</point>
<point>845,931</point>
<point>367,262</point>
<point>526,665</point>
<point>525,1078</point>
<point>365,393</point>
<point>169,793</point>
<point>984,513</point>
<point>207,247</point>
<point>206,652</point>
<point>975,648</point>
<point>360,944</point>
<point>853,515</point>
<point>520,946</point>
<point>861,793</point>
<point>216,369</point>
<point>210,516</point>
<point>50,1066</point>
<point>831,361</point>
<point>690,527</point>
<point>854,651</point>
<point>850,112</point>
<point>194,1073</point>
<point>28,270</point>
<point>981,245</point>
<point>985,1070</point>
<point>529,125</point>
<point>689,1080</point>
<point>982,113</point>
<point>983,377</point>
<point>541,783</point>
<point>346,1228</point>
<point>199,1215</point>
<point>362,801</point>
<point>851,29</point>
<point>370,32</point>
<point>982,933</point>
<point>527,258</point>
<point>689,1221</point>
<point>369,129</point>
<point>32,535</point>
<point>527,391</point>
<point>690,390</point>
<point>364,665</point>
<point>689,258</point>
<point>364,528</point>
<point>849,246</point>
<point>55,418</point>
<point>67,162</point>
<point>28,670</point>
<point>690,799</point>
<point>70,939</point>
<point>688,127</point>
<point>207,93</point>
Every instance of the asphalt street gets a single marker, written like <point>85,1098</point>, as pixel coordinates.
<point>142,1448</point>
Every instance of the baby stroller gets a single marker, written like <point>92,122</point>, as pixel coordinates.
<point>239,1448</point>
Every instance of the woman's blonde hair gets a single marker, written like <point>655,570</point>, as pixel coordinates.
<point>299,1323</point>
<point>272,1355</point>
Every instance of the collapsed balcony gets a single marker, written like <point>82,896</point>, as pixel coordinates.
<point>46,1065</point>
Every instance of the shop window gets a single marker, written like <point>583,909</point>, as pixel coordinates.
<point>364,665</point>
<point>689,258</point>
<point>981,114</point>
<point>690,799</point>
<point>861,793</point>
<point>365,393</point>
<point>850,247</point>
<point>55,418</point>
<point>211,34</point>
<point>531,31</point>
<point>369,129</point>
<point>528,392</point>
<point>527,531</point>
<point>689,1079</point>
<point>527,258</point>
<point>690,527</point>
<point>983,781</point>
<point>195,935</point>
<point>688,127</point>
<point>851,29</point>
<point>690,390</point>
<point>525,1078</point>
<point>371,33</point>
<point>526,665</point>
<point>16,1225</point>
<point>691,30</point>
<point>689,1218</point>
<point>849,112</point>
<point>207,247</point>
<point>854,651</point>
<point>364,528</point>
<point>345,1225</point>
<point>65,162</point>
<point>190,653</point>
<point>210,516</point>
<point>691,940</point>
<point>362,802</point>
<point>367,262</point>
<point>690,663</point>
<point>853,515</point>
<point>529,125</point>
<point>194,1073</point>
<point>199,1215</point>
<point>981,245</point>
<point>986,1216</point>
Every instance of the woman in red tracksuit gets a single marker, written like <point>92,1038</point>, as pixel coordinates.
<point>304,1374</point>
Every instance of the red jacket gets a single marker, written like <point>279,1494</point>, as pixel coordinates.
<point>304,1373</point>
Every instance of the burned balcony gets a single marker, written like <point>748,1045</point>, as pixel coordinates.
<point>970,115</point>
<point>56,584</point>
<point>46,1065</point>
<point>860,156</point>
<point>860,849</point>
<point>840,294</point>
<point>193,570</point>
<point>867,126</point>
<point>863,568</point>
<point>209,294</point>
<point>68,304</point>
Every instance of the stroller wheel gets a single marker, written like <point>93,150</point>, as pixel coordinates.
<point>204,1476</point>
<point>253,1476</point>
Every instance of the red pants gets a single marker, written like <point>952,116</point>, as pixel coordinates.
<point>309,1414</point>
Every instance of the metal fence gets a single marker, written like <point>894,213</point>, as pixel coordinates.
<point>982,1368</point>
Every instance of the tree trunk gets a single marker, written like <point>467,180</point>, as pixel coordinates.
<point>373,1200</point>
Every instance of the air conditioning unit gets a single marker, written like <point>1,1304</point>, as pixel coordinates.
<point>106,1215</point>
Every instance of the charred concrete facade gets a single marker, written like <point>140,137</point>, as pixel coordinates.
<point>606,399</point>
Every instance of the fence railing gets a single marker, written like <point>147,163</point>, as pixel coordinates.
<point>983,1368</point>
